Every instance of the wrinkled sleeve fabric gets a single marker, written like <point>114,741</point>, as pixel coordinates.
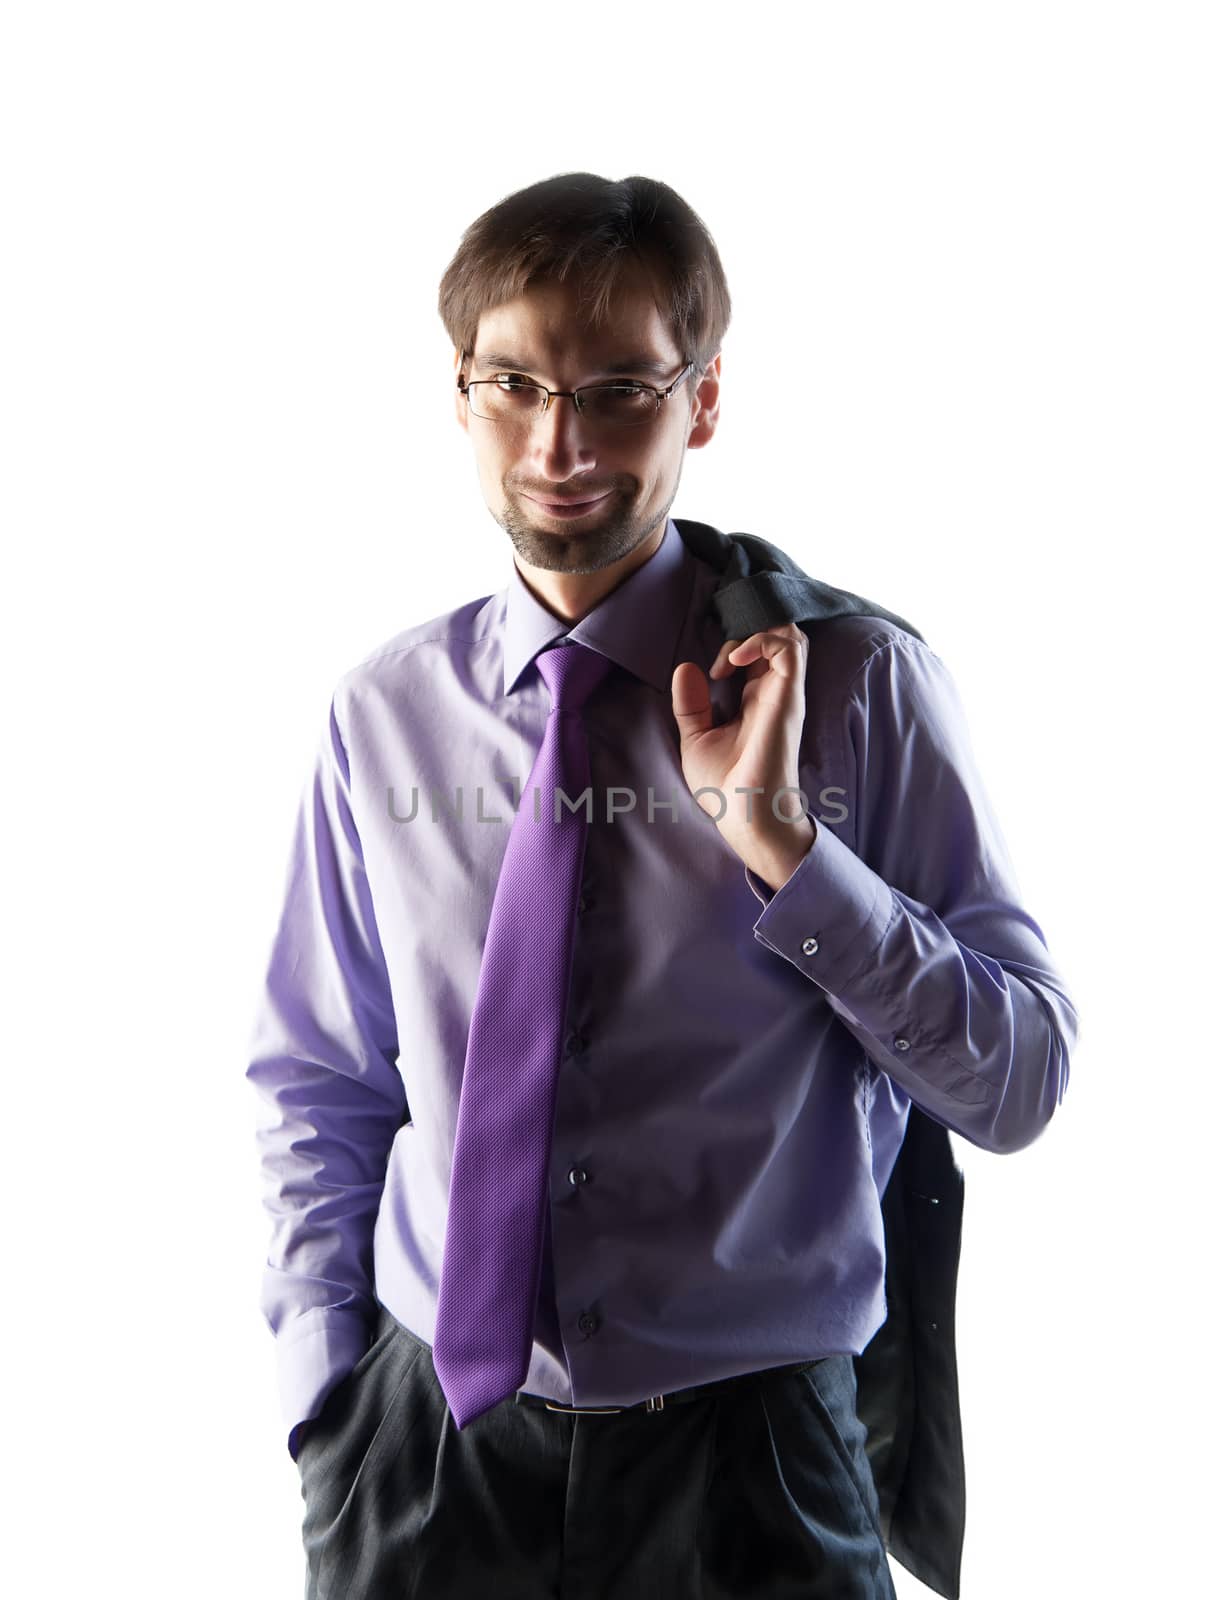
<point>917,935</point>
<point>324,1063</point>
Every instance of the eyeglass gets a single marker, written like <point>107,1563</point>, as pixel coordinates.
<point>512,397</point>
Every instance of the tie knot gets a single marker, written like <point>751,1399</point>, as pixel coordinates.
<point>571,672</point>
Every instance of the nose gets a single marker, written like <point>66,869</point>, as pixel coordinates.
<point>560,441</point>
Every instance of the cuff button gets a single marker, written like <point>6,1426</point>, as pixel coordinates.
<point>809,947</point>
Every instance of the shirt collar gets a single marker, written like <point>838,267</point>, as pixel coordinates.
<point>637,625</point>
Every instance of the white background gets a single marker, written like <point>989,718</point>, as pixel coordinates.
<point>975,371</point>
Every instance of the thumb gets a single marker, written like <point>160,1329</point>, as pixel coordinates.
<point>691,701</point>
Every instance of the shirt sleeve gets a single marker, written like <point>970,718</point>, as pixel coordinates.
<point>324,1063</point>
<point>917,935</point>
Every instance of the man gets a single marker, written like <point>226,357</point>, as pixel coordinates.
<point>577,1125</point>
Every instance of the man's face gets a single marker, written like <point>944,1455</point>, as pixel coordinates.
<point>633,472</point>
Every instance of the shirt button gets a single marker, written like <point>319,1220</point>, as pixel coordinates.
<point>809,947</point>
<point>588,1322</point>
<point>903,1044</point>
<point>574,1043</point>
<point>583,904</point>
<point>577,1175</point>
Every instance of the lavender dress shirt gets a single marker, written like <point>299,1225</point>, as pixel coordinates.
<point>738,1065</point>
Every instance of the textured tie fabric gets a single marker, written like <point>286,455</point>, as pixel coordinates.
<point>495,1233</point>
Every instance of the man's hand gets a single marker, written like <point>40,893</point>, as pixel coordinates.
<point>758,751</point>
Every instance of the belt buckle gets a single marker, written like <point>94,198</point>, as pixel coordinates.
<point>655,1403</point>
<point>580,1411</point>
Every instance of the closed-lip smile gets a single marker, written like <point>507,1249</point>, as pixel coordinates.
<point>570,505</point>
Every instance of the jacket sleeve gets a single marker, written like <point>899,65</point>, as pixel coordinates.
<point>323,1061</point>
<point>917,935</point>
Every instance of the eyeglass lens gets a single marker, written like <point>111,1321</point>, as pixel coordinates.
<point>513,399</point>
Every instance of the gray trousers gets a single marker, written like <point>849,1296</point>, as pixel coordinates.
<point>758,1486</point>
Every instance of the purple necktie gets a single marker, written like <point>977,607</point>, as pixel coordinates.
<point>491,1269</point>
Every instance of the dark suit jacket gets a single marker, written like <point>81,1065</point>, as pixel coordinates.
<point>907,1379</point>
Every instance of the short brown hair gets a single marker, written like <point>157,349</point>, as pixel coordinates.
<point>597,227</point>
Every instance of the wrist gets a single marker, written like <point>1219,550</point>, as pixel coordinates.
<point>775,855</point>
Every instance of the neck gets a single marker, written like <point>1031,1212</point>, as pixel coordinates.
<point>570,596</point>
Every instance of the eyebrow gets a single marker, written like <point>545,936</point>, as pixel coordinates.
<point>493,360</point>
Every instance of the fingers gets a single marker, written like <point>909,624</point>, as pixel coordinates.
<point>783,646</point>
<point>721,664</point>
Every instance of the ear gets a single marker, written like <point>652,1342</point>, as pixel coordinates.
<point>462,405</point>
<point>705,407</point>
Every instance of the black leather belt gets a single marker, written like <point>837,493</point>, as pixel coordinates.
<point>657,1402</point>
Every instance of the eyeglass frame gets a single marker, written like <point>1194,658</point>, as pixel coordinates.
<point>574,394</point>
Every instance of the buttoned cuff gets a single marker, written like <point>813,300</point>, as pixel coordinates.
<point>829,917</point>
